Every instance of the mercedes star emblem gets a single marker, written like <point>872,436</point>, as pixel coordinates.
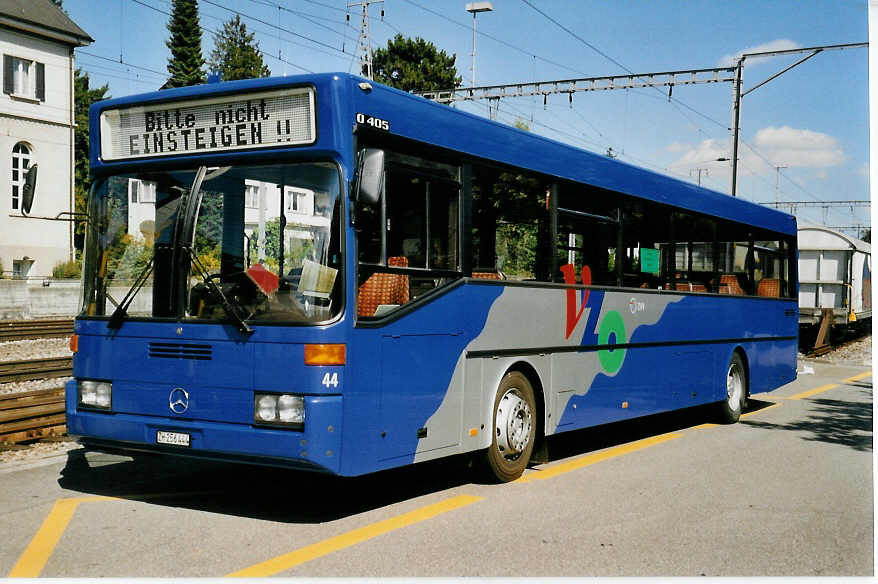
<point>178,401</point>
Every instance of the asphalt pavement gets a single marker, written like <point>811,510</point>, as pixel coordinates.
<point>788,491</point>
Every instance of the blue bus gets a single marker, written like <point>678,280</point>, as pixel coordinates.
<point>325,273</point>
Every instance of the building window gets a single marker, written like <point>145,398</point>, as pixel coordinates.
<point>24,78</point>
<point>251,196</point>
<point>299,201</point>
<point>21,156</point>
<point>21,268</point>
<point>141,191</point>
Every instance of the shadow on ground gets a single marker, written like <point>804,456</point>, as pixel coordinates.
<point>846,423</point>
<point>293,496</point>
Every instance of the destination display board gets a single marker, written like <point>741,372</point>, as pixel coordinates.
<point>234,122</point>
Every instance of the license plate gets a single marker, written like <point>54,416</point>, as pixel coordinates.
<point>172,438</point>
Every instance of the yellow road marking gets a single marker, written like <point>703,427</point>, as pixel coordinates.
<point>359,535</point>
<point>711,425</point>
<point>814,391</point>
<point>759,410</point>
<point>859,376</point>
<point>549,472</point>
<point>40,549</point>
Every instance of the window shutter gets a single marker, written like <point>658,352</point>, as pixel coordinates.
<point>8,82</point>
<point>41,81</point>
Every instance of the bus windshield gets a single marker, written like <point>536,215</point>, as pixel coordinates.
<point>257,243</point>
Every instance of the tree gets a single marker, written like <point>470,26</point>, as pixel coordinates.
<point>185,64</point>
<point>235,54</point>
<point>83,97</point>
<point>414,65</point>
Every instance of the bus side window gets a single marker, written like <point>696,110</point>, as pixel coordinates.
<point>510,225</point>
<point>411,238</point>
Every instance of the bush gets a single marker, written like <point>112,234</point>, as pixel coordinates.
<point>1,270</point>
<point>67,270</point>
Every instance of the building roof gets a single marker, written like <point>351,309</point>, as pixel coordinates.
<point>42,18</point>
<point>844,241</point>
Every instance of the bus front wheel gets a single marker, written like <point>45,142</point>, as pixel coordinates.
<point>736,391</point>
<point>514,428</point>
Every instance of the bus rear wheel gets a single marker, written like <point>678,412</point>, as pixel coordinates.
<point>514,428</point>
<point>736,391</point>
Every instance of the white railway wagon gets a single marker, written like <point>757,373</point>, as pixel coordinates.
<point>835,272</point>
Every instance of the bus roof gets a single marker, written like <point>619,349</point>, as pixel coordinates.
<point>411,116</point>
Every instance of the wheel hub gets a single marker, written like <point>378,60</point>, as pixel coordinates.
<point>513,426</point>
<point>734,386</point>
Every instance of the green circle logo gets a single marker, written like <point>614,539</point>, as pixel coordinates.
<point>612,325</point>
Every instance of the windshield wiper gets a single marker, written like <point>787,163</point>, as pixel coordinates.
<point>230,308</point>
<point>120,314</point>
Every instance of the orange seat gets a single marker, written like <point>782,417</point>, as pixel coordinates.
<point>691,287</point>
<point>728,284</point>
<point>769,287</point>
<point>382,288</point>
<point>487,275</point>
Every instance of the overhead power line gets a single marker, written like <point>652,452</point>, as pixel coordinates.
<point>493,38</point>
<point>860,203</point>
<point>274,26</point>
<point>215,33</point>
<point>570,86</point>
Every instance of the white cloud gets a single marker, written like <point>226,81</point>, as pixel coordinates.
<point>798,148</point>
<point>784,146</point>
<point>704,154</point>
<point>776,45</point>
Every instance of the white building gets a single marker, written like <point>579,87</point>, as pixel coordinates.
<point>36,127</point>
<point>304,210</point>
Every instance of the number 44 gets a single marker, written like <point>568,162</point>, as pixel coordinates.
<point>330,380</point>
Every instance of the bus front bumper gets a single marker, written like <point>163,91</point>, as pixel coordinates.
<point>316,447</point>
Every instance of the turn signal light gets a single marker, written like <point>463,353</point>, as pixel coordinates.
<point>324,354</point>
<point>74,343</point>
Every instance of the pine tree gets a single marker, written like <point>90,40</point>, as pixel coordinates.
<point>235,54</point>
<point>185,64</point>
<point>414,65</point>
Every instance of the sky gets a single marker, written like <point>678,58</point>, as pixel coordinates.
<point>804,135</point>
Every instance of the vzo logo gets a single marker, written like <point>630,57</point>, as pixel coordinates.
<point>573,315</point>
<point>634,306</point>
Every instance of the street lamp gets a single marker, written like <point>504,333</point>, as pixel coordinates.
<point>475,8</point>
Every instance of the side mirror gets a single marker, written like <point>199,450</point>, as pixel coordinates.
<point>370,176</point>
<point>27,191</point>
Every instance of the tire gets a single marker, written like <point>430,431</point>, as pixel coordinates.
<point>736,391</point>
<point>514,424</point>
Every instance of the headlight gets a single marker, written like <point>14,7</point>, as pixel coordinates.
<point>281,409</point>
<point>96,394</point>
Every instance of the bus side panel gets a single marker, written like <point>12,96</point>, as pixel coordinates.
<point>414,367</point>
<point>681,360</point>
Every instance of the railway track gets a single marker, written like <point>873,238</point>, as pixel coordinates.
<point>16,330</point>
<point>31,415</point>
<point>831,347</point>
<point>35,369</point>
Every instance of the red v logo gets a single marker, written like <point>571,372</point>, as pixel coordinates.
<point>573,316</point>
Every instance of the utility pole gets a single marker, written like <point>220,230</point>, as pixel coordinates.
<point>738,94</point>
<point>706,172</point>
<point>364,42</point>
<point>475,8</point>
